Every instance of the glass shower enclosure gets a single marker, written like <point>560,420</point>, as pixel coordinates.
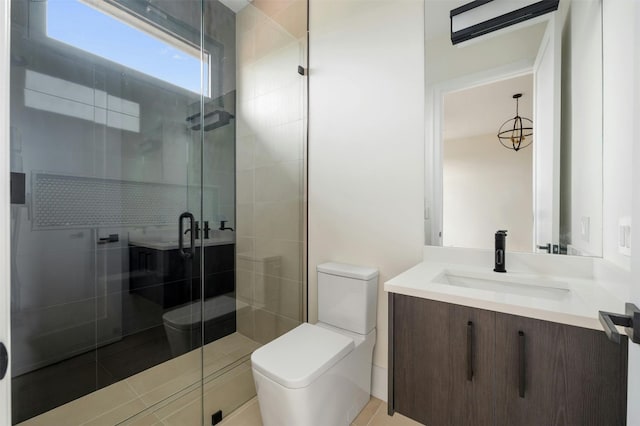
<point>157,204</point>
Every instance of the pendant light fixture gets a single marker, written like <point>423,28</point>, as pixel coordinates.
<point>516,133</point>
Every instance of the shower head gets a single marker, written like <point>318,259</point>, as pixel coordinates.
<point>212,120</point>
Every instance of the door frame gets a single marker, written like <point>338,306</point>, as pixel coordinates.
<point>551,44</point>
<point>434,142</point>
<point>633,391</point>
<point>5,203</point>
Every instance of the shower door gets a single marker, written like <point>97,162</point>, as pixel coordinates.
<point>116,251</point>
<point>124,116</point>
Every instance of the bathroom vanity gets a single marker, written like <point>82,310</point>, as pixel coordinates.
<point>160,274</point>
<point>467,346</point>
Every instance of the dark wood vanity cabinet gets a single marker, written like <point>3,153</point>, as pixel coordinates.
<point>455,365</point>
<point>568,375</point>
<point>431,362</point>
<point>165,278</point>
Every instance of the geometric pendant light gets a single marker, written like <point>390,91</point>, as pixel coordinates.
<point>517,132</point>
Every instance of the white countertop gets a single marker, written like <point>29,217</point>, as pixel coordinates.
<point>578,306</point>
<point>173,245</point>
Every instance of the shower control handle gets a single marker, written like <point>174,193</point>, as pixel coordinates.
<point>184,253</point>
<point>546,247</point>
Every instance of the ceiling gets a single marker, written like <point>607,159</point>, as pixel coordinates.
<point>482,110</point>
<point>437,22</point>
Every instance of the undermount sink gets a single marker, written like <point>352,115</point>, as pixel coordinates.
<point>504,283</point>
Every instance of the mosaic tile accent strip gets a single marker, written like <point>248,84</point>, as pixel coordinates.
<point>61,201</point>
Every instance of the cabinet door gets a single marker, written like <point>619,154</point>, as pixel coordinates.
<point>572,375</point>
<point>431,358</point>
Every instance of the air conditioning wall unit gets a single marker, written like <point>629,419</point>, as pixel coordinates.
<point>481,17</point>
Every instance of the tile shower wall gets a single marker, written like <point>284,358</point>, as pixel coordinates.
<point>270,167</point>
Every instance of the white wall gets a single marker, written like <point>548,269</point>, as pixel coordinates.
<point>449,62</point>
<point>485,188</point>
<point>582,126</point>
<point>366,140</point>
<point>619,119</point>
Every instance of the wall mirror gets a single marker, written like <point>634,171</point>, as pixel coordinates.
<point>548,191</point>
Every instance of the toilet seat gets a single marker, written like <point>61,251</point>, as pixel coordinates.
<point>297,358</point>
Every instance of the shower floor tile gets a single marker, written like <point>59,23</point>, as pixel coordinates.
<point>41,390</point>
<point>174,380</point>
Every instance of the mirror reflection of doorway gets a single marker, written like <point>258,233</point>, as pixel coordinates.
<point>486,186</point>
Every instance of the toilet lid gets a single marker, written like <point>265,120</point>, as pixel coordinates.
<point>300,356</point>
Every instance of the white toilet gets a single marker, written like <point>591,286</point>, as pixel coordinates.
<point>184,327</point>
<point>321,374</point>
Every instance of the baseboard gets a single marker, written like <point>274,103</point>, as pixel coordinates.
<point>379,382</point>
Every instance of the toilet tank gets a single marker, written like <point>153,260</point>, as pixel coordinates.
<point>348,296</point>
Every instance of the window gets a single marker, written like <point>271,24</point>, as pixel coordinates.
<point>52,94</point>
<point>75,23</point>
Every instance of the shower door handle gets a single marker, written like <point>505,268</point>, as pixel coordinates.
<point>186,254</point>
<point>4,360</point>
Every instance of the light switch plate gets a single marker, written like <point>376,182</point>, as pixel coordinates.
<point>624,235</point>
<point>584,228</point>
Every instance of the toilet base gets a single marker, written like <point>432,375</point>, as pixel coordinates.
<point>335,398</point>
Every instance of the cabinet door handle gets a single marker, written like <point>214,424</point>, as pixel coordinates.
<point>521,364</point>
<point>470,351</point>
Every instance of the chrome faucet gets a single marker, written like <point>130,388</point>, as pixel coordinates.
<point>500,251</point>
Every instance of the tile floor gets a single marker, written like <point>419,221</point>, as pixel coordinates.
<point>373,414</point>
<point>41,390</point>
<point>169,393</point>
